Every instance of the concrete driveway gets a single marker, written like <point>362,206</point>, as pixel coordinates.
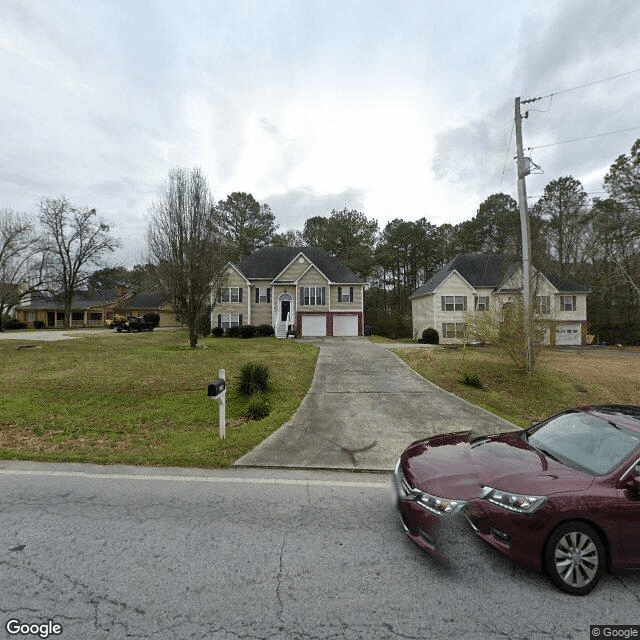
<point>364,407</point>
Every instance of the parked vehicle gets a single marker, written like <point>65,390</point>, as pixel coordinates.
<point>131,323</point>
<point>562,496</point>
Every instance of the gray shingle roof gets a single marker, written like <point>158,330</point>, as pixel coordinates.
<point>488,270</point>
<point>268,262</point>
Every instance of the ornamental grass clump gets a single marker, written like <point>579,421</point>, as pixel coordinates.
<point>253,379</point>
<point>257,409</point>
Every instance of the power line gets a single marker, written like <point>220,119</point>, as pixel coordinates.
<point>597,135</point>
<point>506,156</point>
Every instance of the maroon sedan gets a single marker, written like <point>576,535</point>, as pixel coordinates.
<point>562,496</point>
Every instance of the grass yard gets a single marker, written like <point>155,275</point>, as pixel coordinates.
<point>141,398</point>
<point>563,379</point>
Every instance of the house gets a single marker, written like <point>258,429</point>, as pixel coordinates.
<point>95,309</point>
<point>483,283</point>
<point>291,287</point>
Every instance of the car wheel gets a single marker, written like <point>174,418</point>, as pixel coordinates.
<point>575,558</point>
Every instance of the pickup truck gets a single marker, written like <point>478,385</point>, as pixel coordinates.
<point>131,324</point>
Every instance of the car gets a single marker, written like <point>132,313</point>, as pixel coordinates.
<point>562,496</point>
<point>131,324</point>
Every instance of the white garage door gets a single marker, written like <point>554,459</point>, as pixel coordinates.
<point>314,325</point>
<point>568,334</point>
<point>345,325</point>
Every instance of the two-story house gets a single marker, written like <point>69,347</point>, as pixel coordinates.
<point>291,287</point>
<point>485,283</point>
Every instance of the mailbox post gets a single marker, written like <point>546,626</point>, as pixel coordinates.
<point>217,390</point>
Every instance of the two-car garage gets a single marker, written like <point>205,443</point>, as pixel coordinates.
<point>322,324</point>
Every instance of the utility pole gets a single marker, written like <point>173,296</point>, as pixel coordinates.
<point>523,171</point>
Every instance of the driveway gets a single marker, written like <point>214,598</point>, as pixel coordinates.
<point>364,407</point>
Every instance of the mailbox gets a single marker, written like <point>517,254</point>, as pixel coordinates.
<point>216,388</point>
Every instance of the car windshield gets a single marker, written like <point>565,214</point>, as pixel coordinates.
<point>584,441</point>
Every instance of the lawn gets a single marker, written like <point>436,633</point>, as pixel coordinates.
<point>141,398</point>
<point>563,379</point>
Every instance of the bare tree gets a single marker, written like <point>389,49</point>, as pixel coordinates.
<point>76,239</point>
<point>21,260</point>
<point>184,245</point>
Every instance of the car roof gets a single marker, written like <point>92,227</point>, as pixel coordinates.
<point>623,415</point>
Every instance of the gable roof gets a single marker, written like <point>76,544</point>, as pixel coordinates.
<point>488,270</point>
<point>269,262</point>
<point>94,299</point>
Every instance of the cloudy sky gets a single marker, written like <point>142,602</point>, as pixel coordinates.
<point>397,108</point>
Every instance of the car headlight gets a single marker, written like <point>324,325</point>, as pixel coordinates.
<point>439,506</point>
<point>514,501</point>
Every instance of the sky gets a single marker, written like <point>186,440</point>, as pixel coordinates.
<point>396,108</point>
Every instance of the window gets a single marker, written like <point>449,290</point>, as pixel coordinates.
<point>454,303</point>
<point>227,320</point>
<point>96,316</point>
<point>263,295</point>
<point>231,294</point>
<point>567,303</point>
<point>312,296</point>
<point>454,330</point>
<point>543,305</point>
<point>482,303</point>
<point>345,294</point>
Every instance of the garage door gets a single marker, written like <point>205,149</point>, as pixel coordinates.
<point>568,334</point>
<point>314,325</point>
<point>345,325</point>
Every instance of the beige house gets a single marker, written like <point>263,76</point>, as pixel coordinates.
<point>303,288</point>
<point>484,283</point>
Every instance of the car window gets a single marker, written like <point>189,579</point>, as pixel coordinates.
<point>584,441</point>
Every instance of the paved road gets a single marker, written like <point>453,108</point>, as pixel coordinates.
<point>124,552</point>
<point>364,407</point>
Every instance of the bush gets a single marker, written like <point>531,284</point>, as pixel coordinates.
<point>247,331</point>
<point>430,336</point>
<point>153,318</point>
<point>293,332</point>
<point>38,324</point>
<point>14,325</point>
<point>257,409</point>
<point>217,332</point>
<point>253,379</point>
<point>204,325</point>
<point>264,330</point>
<point>232,332</point>
<point>471,379</point>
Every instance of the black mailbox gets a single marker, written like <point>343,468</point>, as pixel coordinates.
<point>216,388</point>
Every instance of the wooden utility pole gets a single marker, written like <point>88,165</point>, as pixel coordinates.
<point>523,171</point>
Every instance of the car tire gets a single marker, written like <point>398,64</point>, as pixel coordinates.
<point>575,558</point>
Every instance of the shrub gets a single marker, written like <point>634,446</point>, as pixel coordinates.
<point>204,325</point>
<point>292,332</point>
<point>14,325</point>
<point>153,318</point>
<point>264,330</point>
<point>471,379</point>
<point>247,331</point>
<point>232,332</point>
<point>217,332</point>
<point>430,336</point>
<point>253,379</point>
<point>38,324</point>
<point>257,409</point>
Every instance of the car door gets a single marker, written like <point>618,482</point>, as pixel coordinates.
<point>629,524</point>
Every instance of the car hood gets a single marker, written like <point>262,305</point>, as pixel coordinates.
<point>455,466</point>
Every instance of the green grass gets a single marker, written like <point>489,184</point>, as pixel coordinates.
<point>141,398</point>
<point>562,380</point>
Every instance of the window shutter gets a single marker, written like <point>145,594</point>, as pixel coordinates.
<point>257,294</point>
<point>240,294</point>
<point>574,303</point>
<point>339,294</point>
<point>219,295</point>
<point>240,318</point>
<point>268,294</point>
<point>323,299</point>
<point>442,301</point>
<point>301,296</point>
<point>464,306</point>
<point>350,294</point>
<point>219,320</point>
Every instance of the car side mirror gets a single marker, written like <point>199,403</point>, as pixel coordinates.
<point>633,482</point>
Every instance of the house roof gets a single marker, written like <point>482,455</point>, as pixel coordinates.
<point>269,262</point>
<point>94,299</point>
<point>488,270</point>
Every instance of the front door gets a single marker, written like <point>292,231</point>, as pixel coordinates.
<point>285,308</point>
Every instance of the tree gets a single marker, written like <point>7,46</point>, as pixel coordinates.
<point>496,225</point>
<point>22,260</point>
<point>185,245</point>
<point>75,238</point>
<point>246,224</point>
<point>288,238</point>
<point>139,278</point>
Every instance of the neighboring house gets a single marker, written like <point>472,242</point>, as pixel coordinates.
<point>483,283</point>
<point>299,287</point>
<point>95,309</point>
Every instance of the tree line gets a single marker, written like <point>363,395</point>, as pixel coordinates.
<point>190,236</point>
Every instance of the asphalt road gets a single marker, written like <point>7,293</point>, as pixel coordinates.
<point>124,552</point>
